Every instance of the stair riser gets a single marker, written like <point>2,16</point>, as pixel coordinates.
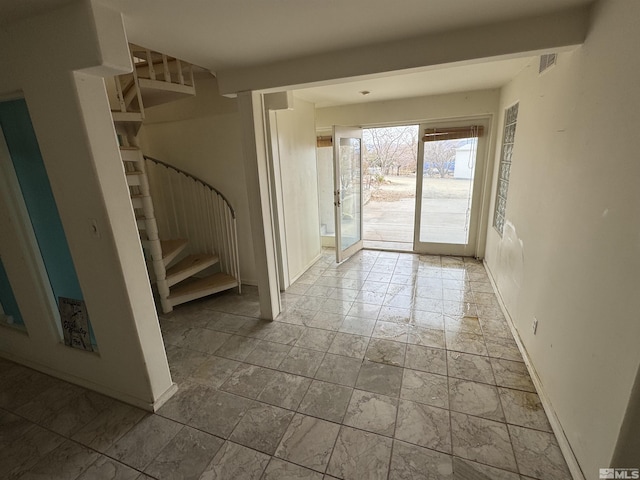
<point>201,293</point>
<point>172,280</point>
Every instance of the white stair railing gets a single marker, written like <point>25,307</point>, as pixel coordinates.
<point>187,207</point>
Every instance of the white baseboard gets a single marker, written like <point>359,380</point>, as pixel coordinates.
<point>307,267</point>
<point>123,397</point>
<point>556,426</point>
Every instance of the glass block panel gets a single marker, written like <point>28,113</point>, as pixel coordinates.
<point>508,139</point>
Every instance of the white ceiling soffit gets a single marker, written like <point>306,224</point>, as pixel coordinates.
<point>439,81</point>
<point>230,34</point>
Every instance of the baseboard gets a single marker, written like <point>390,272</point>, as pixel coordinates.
<point>556,426</point>
<point>104,390</point>
<point>307,267</point>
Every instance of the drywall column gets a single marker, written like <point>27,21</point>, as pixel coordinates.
<point>257,178</point>
<point>76,46</point>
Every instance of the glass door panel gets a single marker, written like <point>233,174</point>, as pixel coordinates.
<point>450,172</point>
<point>347,145</point>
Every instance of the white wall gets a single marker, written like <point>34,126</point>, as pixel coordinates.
<point>325,189</point>
<point>202,136</point>
<point>56,61</point>
<point>296,136</point>
<point>570,254</point>
<point>410,110</point>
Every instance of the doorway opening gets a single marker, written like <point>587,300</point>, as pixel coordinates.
<point>389,164</point>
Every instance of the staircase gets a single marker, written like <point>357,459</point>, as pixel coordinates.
<point>189,232</point>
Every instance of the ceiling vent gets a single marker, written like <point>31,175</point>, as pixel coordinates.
<point>547,61</point>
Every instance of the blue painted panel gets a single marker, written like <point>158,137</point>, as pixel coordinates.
<point>38,197</point>
<point>7,300</point>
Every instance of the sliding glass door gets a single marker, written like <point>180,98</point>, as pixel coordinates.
<point>450,173</point>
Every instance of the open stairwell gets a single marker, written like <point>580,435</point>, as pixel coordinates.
<point>187,227</point>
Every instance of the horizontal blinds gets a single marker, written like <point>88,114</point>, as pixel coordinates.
<point>325,141</point>
<point>453,133</point>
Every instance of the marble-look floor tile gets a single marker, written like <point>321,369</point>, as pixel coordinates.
<point>281,470</point>
<point>349,345</point>
<point>237,347</point>
<point>391,331</point>
<point>357,326</point>
<point>468,470</point>
<point>262,427</point>
<point>183,362</point>
<point>512,375</point>
<point>235,461</point>
<point>482,440</point>
<point>466,343</point>
<point>248,380</point>
<point>316,339</point>
<point>505,348</point>
<point>427,304</point>
<point>524,409</point>
<point>186,402</point>
<point>109,426</point>
<point>226,322</point>
<point>285,333</point>
<point>532,445</point>
<point>426,337</point>
<point>301,361</point>
<point>105,468</point>
<point>410,462</point>
<point>470,367</point>
<point>474,398</point>
<point>219,412</point>
<point>339,369</point>
<point>308,442</point>
<point>79,411</point>
<point>372,412</point>
<point>204,340</point>
<point>432,320</point>
<point>144,441</point>
<point>268,354</point>
<point>19,456</point>
<point>214,371</point>
<point>360,455</point>
<point>386,351</point>
<point>285,390</point>
<point>326,321</point>
<point>463,325</point>
<point>12,428</point>
<point>67,461</point>
<point>49,401</point>
<point>427,359</point>
<point>395,315</point>
<point>328,401</point>
<point>186,455</point>
<point>380,378</point>
<point>424,425</point>
<point>423,387</point>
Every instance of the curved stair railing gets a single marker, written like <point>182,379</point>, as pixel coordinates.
<point>186,207</point>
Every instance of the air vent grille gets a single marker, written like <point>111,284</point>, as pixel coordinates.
<point>546,61</point>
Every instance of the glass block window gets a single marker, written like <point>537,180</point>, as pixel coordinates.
<point>510,120</point>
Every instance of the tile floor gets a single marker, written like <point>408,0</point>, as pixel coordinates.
<point>389,366</point>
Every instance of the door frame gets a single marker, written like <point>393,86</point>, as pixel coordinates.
<point>480,196</point>
<point>345,132</point>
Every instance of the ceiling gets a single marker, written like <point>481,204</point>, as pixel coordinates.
<point>228,34</point>
<point>225,34</point>
<point>429,82</point>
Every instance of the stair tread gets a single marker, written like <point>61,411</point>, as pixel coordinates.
<point>134,172</point>
<point>169,247</point>
<point>196,262</point>
<point>122,147</point>
<point>218,280</point>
